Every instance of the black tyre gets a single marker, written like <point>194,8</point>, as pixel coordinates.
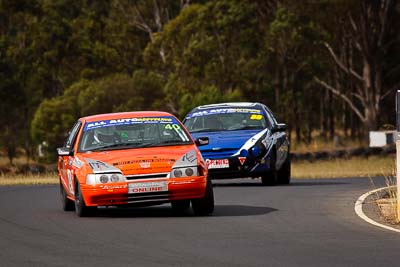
<point>67,204</point>
<point>270,178</point>
<point>284,173</point>
<point>81,209</point>
<point>205,205</point>
<point>180,206</point>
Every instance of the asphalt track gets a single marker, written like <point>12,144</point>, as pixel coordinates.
<point>308,223</point>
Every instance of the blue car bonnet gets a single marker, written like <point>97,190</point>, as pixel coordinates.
<point>224,143</point>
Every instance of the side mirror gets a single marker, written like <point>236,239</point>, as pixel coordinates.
<point>202,141</point>
<point>280,127</point>
<point>63,151</point>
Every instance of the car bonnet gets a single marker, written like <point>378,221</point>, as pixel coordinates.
<point>141,161</point>
<point>225,139</point>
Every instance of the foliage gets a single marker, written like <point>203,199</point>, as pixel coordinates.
<point>114,93</point>
<point>60,60</point>
<point>206,46</point>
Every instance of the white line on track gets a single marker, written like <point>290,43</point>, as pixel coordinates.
<point>361,214</point>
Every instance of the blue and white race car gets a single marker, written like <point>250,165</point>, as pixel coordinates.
<point>241,140</point>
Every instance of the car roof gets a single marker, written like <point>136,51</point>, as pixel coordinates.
<point>121,115</point>
<point>230,105</point>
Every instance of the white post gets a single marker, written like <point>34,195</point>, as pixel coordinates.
<point>398,152</point>
<point>398,176</point>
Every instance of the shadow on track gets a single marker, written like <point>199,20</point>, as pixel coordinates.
<point>317,183</point>
<point>240,210</point>
<point>255,184</point>
<point>167,212</point>
<point>238,184</point>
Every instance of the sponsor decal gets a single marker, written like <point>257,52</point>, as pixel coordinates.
<point>129,121</point>
<point>111,187</point>
<point>242,160</point>
<point>224,111</point>
<point>187,160</point>
<point>77,163</point>
<point>101,167</point>
<point>190,156</point>
<point>145,164</point>
<point>147,187</point>
<point>169,161</point>
<point>217,163</point>
<point>70,176</point>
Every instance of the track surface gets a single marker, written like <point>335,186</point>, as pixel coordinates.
<point>308,223</point>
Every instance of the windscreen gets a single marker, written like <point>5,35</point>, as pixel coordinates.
<point>225,119</point>
<point>132,133</point>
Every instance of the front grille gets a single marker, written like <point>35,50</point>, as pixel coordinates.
<point>147,176</point>
<point>146,197</point>
<point>222,153</point>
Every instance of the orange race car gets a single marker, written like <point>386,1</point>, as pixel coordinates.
<point>133,158</point>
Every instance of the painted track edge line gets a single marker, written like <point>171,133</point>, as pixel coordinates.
<point>361,214</point>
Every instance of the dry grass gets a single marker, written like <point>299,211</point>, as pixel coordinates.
<point>29,179</point>
<point>319,143</point>
<point>17,161</point>
<point>354,167</point>
<point>386,199</point>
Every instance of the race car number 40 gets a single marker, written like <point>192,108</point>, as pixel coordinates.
<point>148,187</point>
<point>217,163</point>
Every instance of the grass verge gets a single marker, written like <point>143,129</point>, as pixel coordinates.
<point>29,179</point>
<point>354,167</point>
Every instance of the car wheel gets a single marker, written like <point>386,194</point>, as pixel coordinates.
<point>81,209</point>
<point>205,205</point>
<point>285,173</point>
<point>67,204</point>
<point>271,176</point>
<point>180,206</point>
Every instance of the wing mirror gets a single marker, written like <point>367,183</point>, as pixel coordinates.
<point>63,151</point>
<point>202,141</point>
<point>280,127</point>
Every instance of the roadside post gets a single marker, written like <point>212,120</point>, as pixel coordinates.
<point>398,151</point>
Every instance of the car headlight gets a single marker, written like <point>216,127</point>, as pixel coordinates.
<point>184,172</point>
<point>256,151</point>
<point>104,178</point>
<point>260,148</point>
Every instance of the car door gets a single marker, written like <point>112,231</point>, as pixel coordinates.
<point>65,161</point>
<point>281,140</point>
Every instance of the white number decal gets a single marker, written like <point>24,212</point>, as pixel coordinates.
<point>70,181</point>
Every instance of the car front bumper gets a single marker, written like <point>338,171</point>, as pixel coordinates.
<point>139,193</point>
<point>237,169</point>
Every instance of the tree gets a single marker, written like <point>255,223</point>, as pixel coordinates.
<point>150,16</point>
<point>114,93</point>
<point>209,45</point>
<point>291,56</point>
<point>370,27</point>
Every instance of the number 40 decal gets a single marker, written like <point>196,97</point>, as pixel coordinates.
<point>172,126</point>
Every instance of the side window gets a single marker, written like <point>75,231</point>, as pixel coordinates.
<point>72,135</point>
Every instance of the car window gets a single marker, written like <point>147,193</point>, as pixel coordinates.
<point>72,135</point>
<point>226,119</point>
<point>133,133</point>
